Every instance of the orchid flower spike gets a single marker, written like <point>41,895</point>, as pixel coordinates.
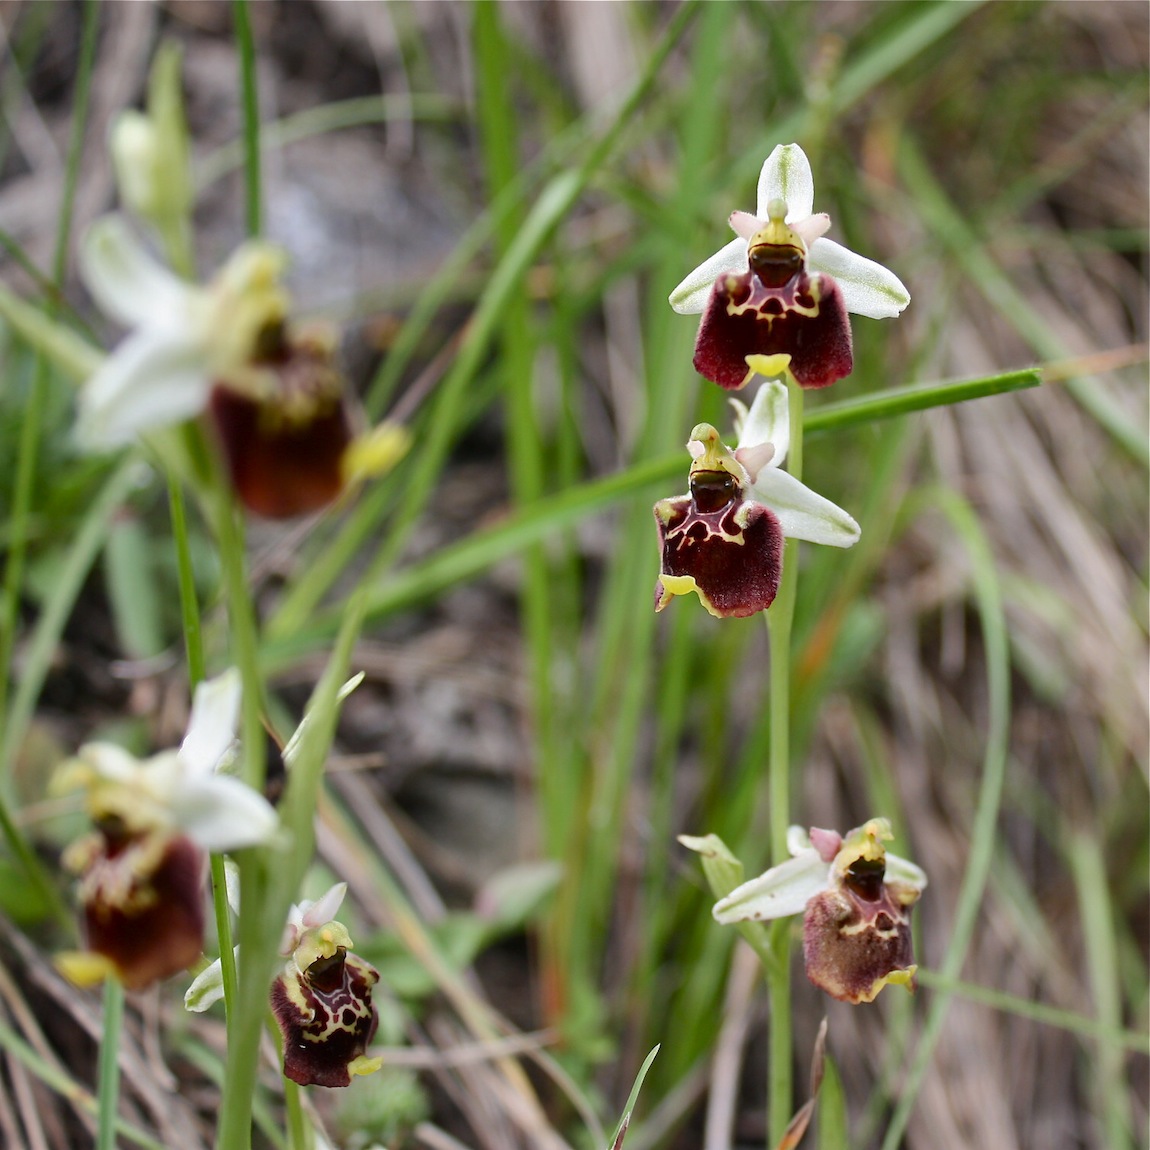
<point>142,867</point>
<point>855,900</point>
<point>775,299</point>
<point>724,539</point>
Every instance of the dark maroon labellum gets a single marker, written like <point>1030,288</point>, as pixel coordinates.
<point>754,314</point>
<point>285,451</point>
<point>143,906</point>
<point>326,1017</point>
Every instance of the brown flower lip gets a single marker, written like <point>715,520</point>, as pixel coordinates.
<point>142,903</point>
<point>326,1017</point>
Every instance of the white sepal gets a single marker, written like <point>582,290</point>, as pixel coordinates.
<point>220,813</point>
<point>803,513</point>
<point>207,987</point>
<point>786,175</point>
<point>905,873</point>
<point>867,287</point>
<point>212,726</point>
<point>782,891</point>
<point>152,380</point>
<point>134,288</point>
<point>768,420</point>
<point>691,296</point>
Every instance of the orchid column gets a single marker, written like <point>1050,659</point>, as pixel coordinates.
<point>774,304</point>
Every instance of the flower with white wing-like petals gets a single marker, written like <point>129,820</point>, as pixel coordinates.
<point>724,539</point>
<point>855,900</point>
<point>142,867</point>
<point>780,291</point>
<point>277,403</point>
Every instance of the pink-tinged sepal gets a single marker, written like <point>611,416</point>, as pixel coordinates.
<point>142,901</point>
<point>326,1017</point>
<point>803,318</point>
<point>285,450</point>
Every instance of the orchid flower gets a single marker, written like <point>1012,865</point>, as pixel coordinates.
<point>277,403</point>
<point>855,900</point>
<point>321,999</point>
<point>724,540</point>
<point>780,292</point>
<point>142,868</point>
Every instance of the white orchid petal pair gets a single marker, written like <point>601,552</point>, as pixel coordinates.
<point>181,791</point>
<point>868,288</point>
<point>786,889</point>
<point>802,513</point>
<point>184,337</point>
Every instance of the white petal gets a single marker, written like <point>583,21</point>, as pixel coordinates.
<point>325,908</point>
<point>783,890</point>
<point>212,726</point>
<point>868,288</point>
<point>690,297</point>
<point>905,872</point>
<point>132,287</point>
<point>768,420</point>
<point>803,514</point>
<point>207,987</point>
<point>150,381</point>
<point>786,175</point>
<point>220,813</point>
<point>110,762</point>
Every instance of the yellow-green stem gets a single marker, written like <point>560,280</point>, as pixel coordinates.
<point>109,1065</point>
<point>780,1085</point>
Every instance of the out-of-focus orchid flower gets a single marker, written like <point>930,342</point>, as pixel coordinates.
<point>142,868</point>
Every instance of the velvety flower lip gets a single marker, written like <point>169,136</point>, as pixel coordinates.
<point>321,999</point>
<point>867,288</point>
<point>723,540</point>
<point>855,899</point>
<point>184,337</point>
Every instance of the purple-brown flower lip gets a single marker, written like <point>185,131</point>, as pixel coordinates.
<point>723,540</point>
<point>855,900</point>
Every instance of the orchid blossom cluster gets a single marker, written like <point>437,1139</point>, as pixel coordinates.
<point>774,304</point>
<point>266,394</point>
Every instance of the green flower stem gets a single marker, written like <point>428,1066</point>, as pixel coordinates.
<point>299,1130</point>
<point>253,194</point>
<point>108,1074</point>
<point>780,617</point>
<point>269,879</point>
<point>194,646</point>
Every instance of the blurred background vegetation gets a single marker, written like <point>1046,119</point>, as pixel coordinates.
<point>494,201</point>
